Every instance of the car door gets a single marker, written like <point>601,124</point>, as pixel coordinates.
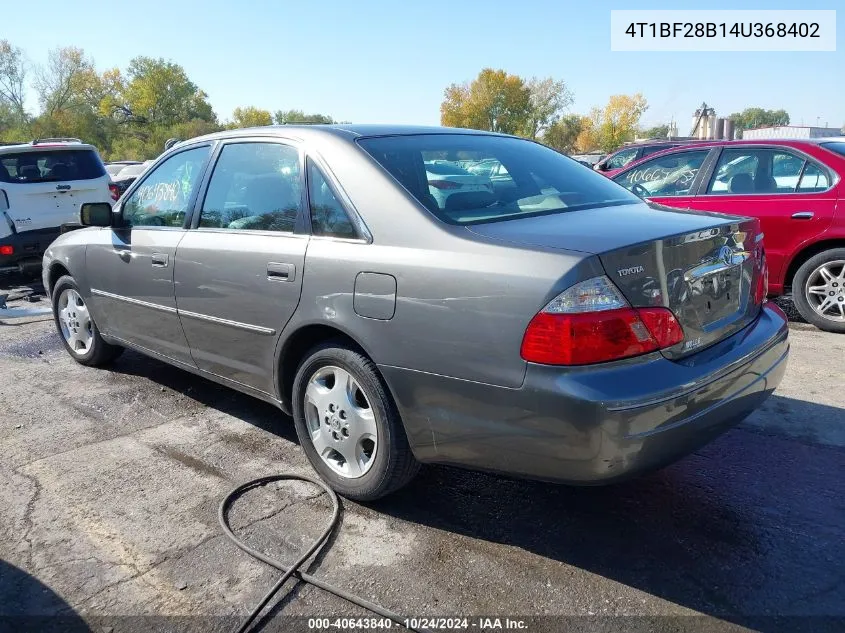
<point>239,269</point>
<point>791,194</point>
<point>669,179</point>
<point>130,267</point>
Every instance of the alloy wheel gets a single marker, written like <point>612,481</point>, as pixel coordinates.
<point>825,290</point>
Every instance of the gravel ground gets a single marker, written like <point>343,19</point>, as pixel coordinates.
<point>110,482</point>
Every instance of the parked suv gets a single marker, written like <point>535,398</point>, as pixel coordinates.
<point>42,185</point>
<point>793,186</point>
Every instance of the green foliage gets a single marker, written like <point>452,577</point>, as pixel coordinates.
<point>249,116</point>
<point>658,131</point>
<point>298,116</point>
<point>563,134</point>
<point>751,118</point>
<point>126,115</point>
<point>501,102</point>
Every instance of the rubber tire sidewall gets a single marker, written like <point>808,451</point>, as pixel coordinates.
<point>387,472</point>
<point>799,282</point>
<point>100,352</point>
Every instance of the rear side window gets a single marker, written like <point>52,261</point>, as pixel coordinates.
<point>328,217</point>
<point>475,178</point>
<point>50,166</point>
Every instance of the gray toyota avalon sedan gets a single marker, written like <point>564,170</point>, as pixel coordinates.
<point>429,295</point>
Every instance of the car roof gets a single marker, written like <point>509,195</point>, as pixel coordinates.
<point>710,144</point>
<point>337,130</point>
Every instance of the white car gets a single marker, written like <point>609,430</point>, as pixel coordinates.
<point>445,180</point>
<point>42,185</point>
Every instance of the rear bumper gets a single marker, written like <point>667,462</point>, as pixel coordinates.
<point>594,424</point>
<point>29,247</point>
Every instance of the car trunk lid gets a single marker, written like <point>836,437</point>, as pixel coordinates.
<point>703,267</point>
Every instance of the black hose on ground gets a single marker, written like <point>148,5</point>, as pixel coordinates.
<point>293,570</point>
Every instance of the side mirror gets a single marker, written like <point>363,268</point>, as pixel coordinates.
<point>602,166</point>
<point>96,214</point>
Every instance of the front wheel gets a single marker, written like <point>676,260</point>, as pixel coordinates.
<point>348,425</point>
<point>76,326</point>
<point>818,290</point>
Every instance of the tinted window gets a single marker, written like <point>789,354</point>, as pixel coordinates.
<point>813,180</point>
<point>756,171</point>
<point>444,169</point>
<point>670,175</point>
<point>328,216</point>
<point>164,195</point>
<point>255,186</point>
<point>653,149</point>
<point>619,160</point>
<point>838,147</point>
<point>50,166</point>
<point>538,181</point>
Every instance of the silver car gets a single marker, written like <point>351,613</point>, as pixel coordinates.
<point>556,327</point>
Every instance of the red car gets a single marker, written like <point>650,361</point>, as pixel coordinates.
<point>795,188</point>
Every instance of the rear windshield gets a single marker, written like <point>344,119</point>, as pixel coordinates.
<point>838,147</point>
<point>50,166</point>
<point>531,179</point>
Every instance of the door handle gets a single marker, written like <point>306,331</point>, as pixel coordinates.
<point>281,272</point>
<point>803,215</point>
<point>160,260</point>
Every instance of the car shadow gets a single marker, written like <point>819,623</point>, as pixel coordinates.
<point>748,529</point>
<point>27,604</point>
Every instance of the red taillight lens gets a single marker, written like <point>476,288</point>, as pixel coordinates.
<point>762,287</point>
<point>444,184</point>
<point>7,250</point>
<point>598,337</point>
<point>115,191</point>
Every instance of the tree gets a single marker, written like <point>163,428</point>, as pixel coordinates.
<point>12,80</point>
<point>250,116</point>
<point>658,131</point>
<point>298,116</point>
<point>66,82</point>
<point>546,102</point>
<point>758,117</point>
<point>614,124</point>
<point>563,133</point>
<point>159,92</point>
<point>494,101</point>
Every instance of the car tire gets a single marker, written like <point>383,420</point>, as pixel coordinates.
<point>341,403</point>
<point>76,326</point>
<point>811,275</point>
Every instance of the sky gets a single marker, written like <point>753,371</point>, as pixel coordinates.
<point>377,61</point>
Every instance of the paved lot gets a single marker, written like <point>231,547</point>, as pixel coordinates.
<point>110,482</point>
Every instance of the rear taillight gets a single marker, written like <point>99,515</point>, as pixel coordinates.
<point>7,250</point>
<point>592,323</point>
<point>761,289</point>
<point>115,191</point>
<point>444,184</point>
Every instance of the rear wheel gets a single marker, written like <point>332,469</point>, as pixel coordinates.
<point>76,326</point>
<point>348,424</point>
<point>818,290</point>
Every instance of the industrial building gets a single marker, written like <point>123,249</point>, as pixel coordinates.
<point>791,131</point>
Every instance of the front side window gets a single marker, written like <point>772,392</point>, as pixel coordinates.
<point>328,217</point>
<point>164,196</point>
<point>475,178</point>
<point>620,159</point>
<point>756,171</point>
<point>50,166</point>
<point>668,175</point>
<point>254,186</point>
